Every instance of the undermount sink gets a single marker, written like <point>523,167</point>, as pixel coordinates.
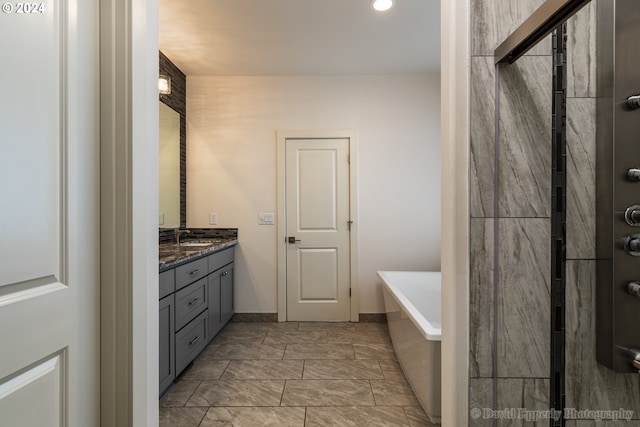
<point>197,244</point>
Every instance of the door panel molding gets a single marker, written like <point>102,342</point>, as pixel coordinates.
<point>328,258</point>
<point>36,383</point>
<point>281,138</point>
<point>16,292</point>
<point>47,213</point>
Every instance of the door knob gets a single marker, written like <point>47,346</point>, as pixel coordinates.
<point>292,239</point>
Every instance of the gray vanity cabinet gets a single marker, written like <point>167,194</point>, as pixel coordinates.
<point>220,298</point>
<point>196,301</point>
<point>226,293</point>
<point>166,327</point>
<point>220,289</point>
<point>167,342</point>
<point>215,321</point>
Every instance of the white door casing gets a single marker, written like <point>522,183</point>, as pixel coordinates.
<point>49,220</point>
<point>455,100</point>
<point>317,209</point>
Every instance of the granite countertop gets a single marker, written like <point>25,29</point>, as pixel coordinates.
<point>170,255</point>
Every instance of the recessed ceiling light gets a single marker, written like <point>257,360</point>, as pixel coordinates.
<point>382,5</point>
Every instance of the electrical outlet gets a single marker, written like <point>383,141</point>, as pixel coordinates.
<point>266,219</point>
<point>160,219</point>
<point>213,218</point>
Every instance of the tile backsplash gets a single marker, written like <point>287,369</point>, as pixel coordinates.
<point>166,235</point>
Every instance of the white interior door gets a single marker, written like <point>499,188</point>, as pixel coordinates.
<point>49,216</point>
<point>317,229</point>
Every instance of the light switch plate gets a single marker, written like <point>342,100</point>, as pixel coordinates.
<point>213,218</point>
<point>160,219</point>
<point>266,218</point>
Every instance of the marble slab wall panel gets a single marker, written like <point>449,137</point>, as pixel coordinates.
<point>524,203</point>
<point>525,138</point>
<point>512,394</point>
<point>492,21</point>
<point>531,394</point>
<point>482,137</point>
<point>591,386</point>
<point>523,335</point>
<point>524,295</point>
<point>481,298</point>
<point>581,53</point>
<point>480,397</point>
<point>581,178</point>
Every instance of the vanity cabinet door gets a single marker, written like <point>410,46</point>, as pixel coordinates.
<point>167,283</point>
<point>190,341</point>
<point>215,320</point>
<point>226,293</point>
<point>190,302</point>
<point>167,343</point>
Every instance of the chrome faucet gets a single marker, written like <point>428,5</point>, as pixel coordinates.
<point>178,232</point>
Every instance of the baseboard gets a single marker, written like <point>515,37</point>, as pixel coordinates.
<point>273,317</point>
<point>373,317</point>
<point>255,317</point>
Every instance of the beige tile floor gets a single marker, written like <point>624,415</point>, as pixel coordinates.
<point>295,374</point>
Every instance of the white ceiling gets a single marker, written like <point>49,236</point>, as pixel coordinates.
<point>300,37</point>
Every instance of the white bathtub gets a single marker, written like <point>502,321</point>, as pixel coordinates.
<point>412,302</point>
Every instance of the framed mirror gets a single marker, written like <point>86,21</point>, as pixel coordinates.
<point>172,210</point>
<point>169,167</point>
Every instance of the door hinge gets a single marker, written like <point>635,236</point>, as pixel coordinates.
<point>350,224</point>
<point>349,292</point>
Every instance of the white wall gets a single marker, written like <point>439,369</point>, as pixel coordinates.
<point>231,168</point>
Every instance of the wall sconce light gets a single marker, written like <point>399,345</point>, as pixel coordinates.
<point>164,84</point>
<point>382,5</point>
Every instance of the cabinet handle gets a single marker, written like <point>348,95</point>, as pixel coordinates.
<point>194,340</point>
<point>224,274</point>
<point>193,301</point>
<point>196,271</point>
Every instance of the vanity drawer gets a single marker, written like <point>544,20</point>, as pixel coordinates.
<point>190,302</point>
<point>191,272</point>
<point>167,284</point>
<point>190,341</point>
<point>220,259</point>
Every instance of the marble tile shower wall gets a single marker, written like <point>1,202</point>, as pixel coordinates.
<point>522,209</point>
